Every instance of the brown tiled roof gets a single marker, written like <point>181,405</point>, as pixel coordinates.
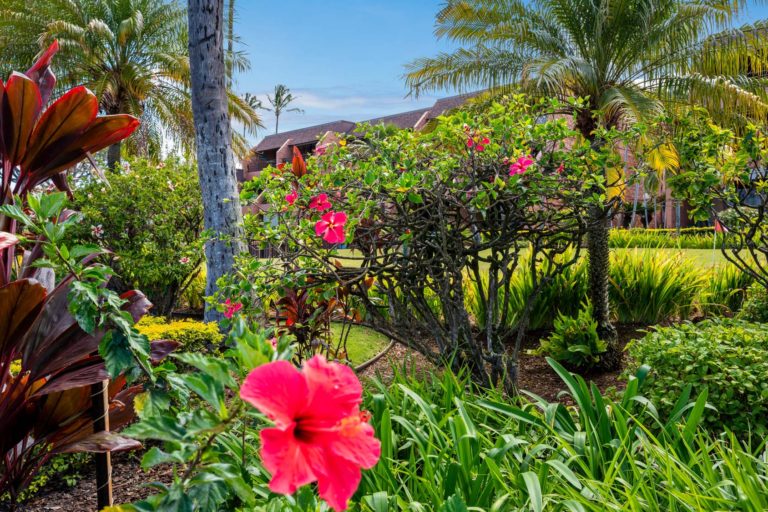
<point>303,135</point>
<point>403,120</point>
<point>443,105</point>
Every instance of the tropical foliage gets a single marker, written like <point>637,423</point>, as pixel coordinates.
<point>131,53</point>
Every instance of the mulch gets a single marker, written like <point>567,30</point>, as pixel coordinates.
<point>131,482</point>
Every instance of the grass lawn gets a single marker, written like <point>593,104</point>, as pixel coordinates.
<point>699,257</point>
<point>363,343</point>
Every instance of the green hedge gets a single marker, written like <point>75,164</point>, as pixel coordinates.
<point>728,357</point>
<point>192,335</point>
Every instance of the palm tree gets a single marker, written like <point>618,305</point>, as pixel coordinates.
<point>131,53</point>
<point>631,60</point>
<point>215,161</point>
<point>280,101</point>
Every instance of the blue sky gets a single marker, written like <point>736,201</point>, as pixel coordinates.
<point>343,58</point>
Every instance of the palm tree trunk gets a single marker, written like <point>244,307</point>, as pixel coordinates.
<point>277,121</point>
<point>599,269</point>
<point>215,162</point>
<point>113,156</point>
<point>230,41</point>
<point>599,253</point>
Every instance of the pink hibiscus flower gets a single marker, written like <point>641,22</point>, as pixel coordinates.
<point>231,308</point>
<point>292,197</point>
<point>320,202</point>
<point>520,166</point>
<point>561,168</point>
<point>320,434</point>
<point>331,227</point>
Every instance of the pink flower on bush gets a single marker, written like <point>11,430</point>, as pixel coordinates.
<point>230,308</point>
<point>292,197</point>
<point>320,150</point>
<point>520,166</point>
<point>320,434</point>
<point>184,260</point>
<point>561,168</point>
<point>320,203</point>
<point>331,227</point>
<point>97,231</point>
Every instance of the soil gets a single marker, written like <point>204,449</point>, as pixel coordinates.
<point>131,482</point>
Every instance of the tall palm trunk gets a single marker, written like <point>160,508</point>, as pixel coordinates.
<point>215,162</point>
<point>113,156</point>
<point>599,268</point>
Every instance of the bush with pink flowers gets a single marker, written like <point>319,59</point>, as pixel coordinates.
<point>421,214</point>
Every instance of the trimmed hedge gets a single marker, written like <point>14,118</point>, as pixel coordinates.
<point>729,357</point>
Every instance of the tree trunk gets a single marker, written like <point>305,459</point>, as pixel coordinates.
<point>599,253</point>
<point>215,162</point>
<point>113,156</point>
<point>277,122</point>
<point>599,272</point>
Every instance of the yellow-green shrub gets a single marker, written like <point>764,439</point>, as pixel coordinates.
<point>191,334</point>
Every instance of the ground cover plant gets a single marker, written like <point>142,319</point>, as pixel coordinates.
<point>725,357</point>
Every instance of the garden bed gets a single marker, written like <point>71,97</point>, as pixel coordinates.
<point>131,482</point>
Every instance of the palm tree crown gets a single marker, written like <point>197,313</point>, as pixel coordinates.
<point>630,58</point>
<point>280,101</point>
<point>131,53</point>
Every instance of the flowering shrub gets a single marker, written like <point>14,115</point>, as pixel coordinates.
<point>150,216</point>
<point>421,214</point>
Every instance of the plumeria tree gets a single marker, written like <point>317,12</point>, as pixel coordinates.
<point>421,215</point>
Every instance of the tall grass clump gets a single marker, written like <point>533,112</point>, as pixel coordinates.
<point>650,288</point>
<point>562,294</point>
<point>687,238</point>
<point>448,446</point>
<point>723,291</point>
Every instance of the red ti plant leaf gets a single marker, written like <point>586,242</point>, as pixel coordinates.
<point>298,165</point>
<point>41,73</point>
<point>20,109</point>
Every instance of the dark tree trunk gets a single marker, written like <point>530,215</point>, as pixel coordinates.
<point>215,162</point>
<point>599,272</point>
<point>598,250</point>
<point>113,156</point>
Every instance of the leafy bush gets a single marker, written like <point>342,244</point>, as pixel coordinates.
<point>150,216</point>
<point>574,341</point>
<point>728,357</point>
<point>649,287</point>
<point>192,336</point>
<point>755,307</point>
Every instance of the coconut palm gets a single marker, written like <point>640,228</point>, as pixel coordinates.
<point>631,60</point>
<point>215,163</point>
<point>131,53</point>
<point>280,101</point>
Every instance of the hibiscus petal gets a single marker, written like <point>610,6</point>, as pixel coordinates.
<point>337,481</point>
<point>339,218</point>
<point>276,389</point>
<point>335,235</point>
<point>321,227</point>
<point>357,445</point>
<point>286,459</point>
<point>334,389</point>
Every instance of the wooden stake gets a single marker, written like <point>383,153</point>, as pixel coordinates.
<point>99,413</point>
